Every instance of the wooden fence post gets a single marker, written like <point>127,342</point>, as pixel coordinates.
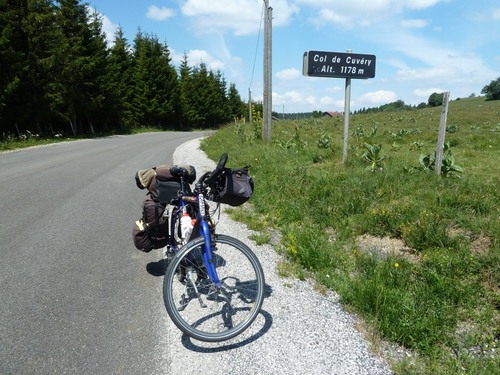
<point>442,132</point>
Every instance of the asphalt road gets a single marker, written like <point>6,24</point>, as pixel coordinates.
<point>75,295</point>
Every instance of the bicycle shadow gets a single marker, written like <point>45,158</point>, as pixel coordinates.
<point>207,347</point>
<point>157,268</point>
<point>189,343</point>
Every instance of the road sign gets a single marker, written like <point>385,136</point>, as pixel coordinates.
<point>338,65</point>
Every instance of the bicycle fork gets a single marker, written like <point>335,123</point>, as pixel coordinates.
<point>207,243</point>
<point>208,256</point>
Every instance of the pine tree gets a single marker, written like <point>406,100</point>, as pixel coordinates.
<point>98,87</point>
<point>13,64</point>
<point>56,69</point>
<point>185,115</point>
<point>167,85</point>
<point>218,112</point>
<point>205,99</point>
<point>199,89</point>
<point>120,81</point>
<point>82,58</point>
<point>236,107</point>
<point>27,44</point>
<point>43,39</point>
<point>155,98</point>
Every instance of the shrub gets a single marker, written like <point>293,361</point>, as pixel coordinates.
<point>372,154</point>
<point>492,90</point>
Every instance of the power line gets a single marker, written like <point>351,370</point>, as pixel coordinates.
<point>257,45</point>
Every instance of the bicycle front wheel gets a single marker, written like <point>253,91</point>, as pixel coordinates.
<point>203,310</point>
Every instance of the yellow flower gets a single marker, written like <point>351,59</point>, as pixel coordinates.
<point>396,265</point>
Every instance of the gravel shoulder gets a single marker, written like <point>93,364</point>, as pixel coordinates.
<point>299,331</point>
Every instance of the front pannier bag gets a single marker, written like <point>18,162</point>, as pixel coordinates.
<point>235,187</point>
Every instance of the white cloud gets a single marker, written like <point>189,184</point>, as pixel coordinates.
<point>327,101</point>
<point>334,89</point>
<point>420,4</point>
<point>196,57</point>
<point>288,74</point>
<point>411,24</point>
<point>425,93</point>
<point>426,74</point>
<point>330,16</point>
<point>295,101</point>
<point>354,6</point>
<point>293,97</point>
<point>433,62</point>
<point>159,14</point>
<point>292,100</point>
<point>243,17</point>
<point>354,13</point>
<point>109,29</point>
<point>378,97</point>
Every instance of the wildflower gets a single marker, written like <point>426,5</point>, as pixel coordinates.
<point>396,265</point>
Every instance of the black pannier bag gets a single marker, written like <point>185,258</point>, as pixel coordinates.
<point>162,183</point>
<point>234,187</point>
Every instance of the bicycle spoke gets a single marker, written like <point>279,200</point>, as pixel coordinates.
<point>220,312</point>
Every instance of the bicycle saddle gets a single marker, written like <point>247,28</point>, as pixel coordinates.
<point>187,172</point>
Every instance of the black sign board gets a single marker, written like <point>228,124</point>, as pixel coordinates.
<point>338,65</point>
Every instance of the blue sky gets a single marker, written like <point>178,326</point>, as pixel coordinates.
<point>421,46</point>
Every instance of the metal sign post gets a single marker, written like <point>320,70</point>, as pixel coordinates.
<point>340,65</point>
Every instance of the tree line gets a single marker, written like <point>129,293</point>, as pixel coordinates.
<point>58,75</point>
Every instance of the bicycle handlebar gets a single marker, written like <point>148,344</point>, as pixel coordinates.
<point>212,176</point>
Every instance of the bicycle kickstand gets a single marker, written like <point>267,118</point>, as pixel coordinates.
<point>189,278</point>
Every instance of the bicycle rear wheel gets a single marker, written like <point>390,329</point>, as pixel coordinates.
<point>203,311</point>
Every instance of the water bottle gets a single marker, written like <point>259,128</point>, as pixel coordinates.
<point>186,227</point>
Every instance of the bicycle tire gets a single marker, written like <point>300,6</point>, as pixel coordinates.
<point>229,310</point>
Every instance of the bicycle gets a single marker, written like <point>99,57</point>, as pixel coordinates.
<point>213,287</point>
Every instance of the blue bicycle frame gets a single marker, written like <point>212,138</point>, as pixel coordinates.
<point>204,231</point>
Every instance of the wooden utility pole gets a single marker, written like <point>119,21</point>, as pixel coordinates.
<point>441,134</point>
<point>268,93</point>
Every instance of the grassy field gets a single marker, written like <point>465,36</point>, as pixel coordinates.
<point>416,255</point>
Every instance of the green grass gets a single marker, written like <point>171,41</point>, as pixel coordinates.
<point>440,297</point>
<point>9,141</point>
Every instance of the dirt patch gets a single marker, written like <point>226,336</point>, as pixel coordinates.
<point>386,246</point>
<point>480,245</point>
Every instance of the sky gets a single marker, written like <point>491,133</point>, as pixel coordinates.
<point>421,46</point>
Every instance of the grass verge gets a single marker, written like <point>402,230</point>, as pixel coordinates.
<point>415,254</point>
